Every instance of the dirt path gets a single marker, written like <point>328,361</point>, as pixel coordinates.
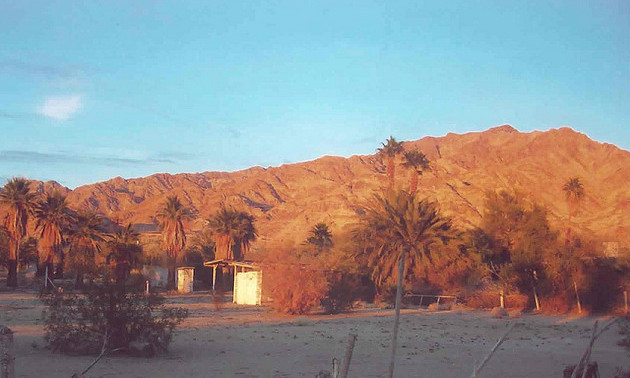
<point>241,341</point>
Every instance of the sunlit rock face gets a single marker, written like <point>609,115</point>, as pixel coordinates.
<point>288,200</point>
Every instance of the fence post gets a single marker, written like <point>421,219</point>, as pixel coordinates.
<point>625,301</point>
<point>577,296</point>
<point>502,299</point>
<point>348,356</point>
<point>536,299</point>
<point>6,353</point>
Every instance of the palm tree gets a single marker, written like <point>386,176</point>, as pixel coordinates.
<point>53,218</point>
<point>418,163</point>
<point>125,252</point>
<point>233,231</point>
<point>399,223</point>
<point>321,237</point>
<point>574,192</point>
<point>390,149</point>
<point>245,234</point>
<point>19,203</point>
<point>86,239</point>
<point>171,216</point>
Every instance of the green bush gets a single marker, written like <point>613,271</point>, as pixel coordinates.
<point>109,318</point>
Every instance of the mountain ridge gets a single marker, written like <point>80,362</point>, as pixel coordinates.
<point>288,200</point>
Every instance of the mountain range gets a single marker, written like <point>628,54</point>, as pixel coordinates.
<point>288,200</point>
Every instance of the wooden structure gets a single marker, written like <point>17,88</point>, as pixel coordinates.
<point>248,273</point>
<point>422,296</point>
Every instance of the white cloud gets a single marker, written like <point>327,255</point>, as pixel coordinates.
<point>60,108</point>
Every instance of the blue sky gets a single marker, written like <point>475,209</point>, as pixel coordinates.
<point>94,90</point>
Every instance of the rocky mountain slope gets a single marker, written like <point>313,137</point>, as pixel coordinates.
<point>288,200</point>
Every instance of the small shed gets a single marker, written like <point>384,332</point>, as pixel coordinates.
<point>185,279</point>
<point>247,280</point>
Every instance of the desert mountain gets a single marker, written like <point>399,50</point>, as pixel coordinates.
<point>288,200</point>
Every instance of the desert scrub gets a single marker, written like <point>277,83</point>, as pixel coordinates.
<point>109,318</point>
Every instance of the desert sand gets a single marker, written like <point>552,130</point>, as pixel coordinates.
<point>248,341</point>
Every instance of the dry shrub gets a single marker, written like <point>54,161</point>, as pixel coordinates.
<point>109,317</point>
<point>603,282</point>
<point>558,304</point>
<point>516,301</point>
<point>293,285</point>
<point>490,298</point>
<point>486,299</point>
<point>343,290</point>
<point>452,271</point>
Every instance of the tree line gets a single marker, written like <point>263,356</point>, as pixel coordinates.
<point>400,237</point>
<point>79,239</point>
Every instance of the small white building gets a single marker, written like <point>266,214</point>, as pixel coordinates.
<point>247,280</point>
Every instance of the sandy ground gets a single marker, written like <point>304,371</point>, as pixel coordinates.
<point>243,341</point>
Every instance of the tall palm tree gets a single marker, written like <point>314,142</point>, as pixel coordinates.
<point>321,237</point>
<point>574,192</point>
<point>418,163</point>
<point>398,224</point>
<point>86,239</point>
<point>390,149</point>
<point>222,224</point>
<point>245,234</point>
<point>233,231</point>
<point>19,203</point>
<point>53,219</point>
<point>125,252</point>
<point>171,217</point>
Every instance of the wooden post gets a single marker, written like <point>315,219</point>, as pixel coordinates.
<point>348,356</point>
<point>625,301</point>
<point>502,299</point>
<point>234,286</point>
<point>577,296</point>
<point>6,353</point>
<point>421,297</point>
<point>477,369</point>
<point>536,298</point>
<point>535,278</point>
<point>146,287</point>
<point>401,271</point>
<point>46,278</point>
<point>214,277</point>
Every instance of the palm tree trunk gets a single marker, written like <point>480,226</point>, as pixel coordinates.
<point>171,283</point>
<point>401,269</point>
<point>59,270</point>
<point>391,171</point>
<point>413,182</point>
<point>12,275</point>
<point>12,280</point>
